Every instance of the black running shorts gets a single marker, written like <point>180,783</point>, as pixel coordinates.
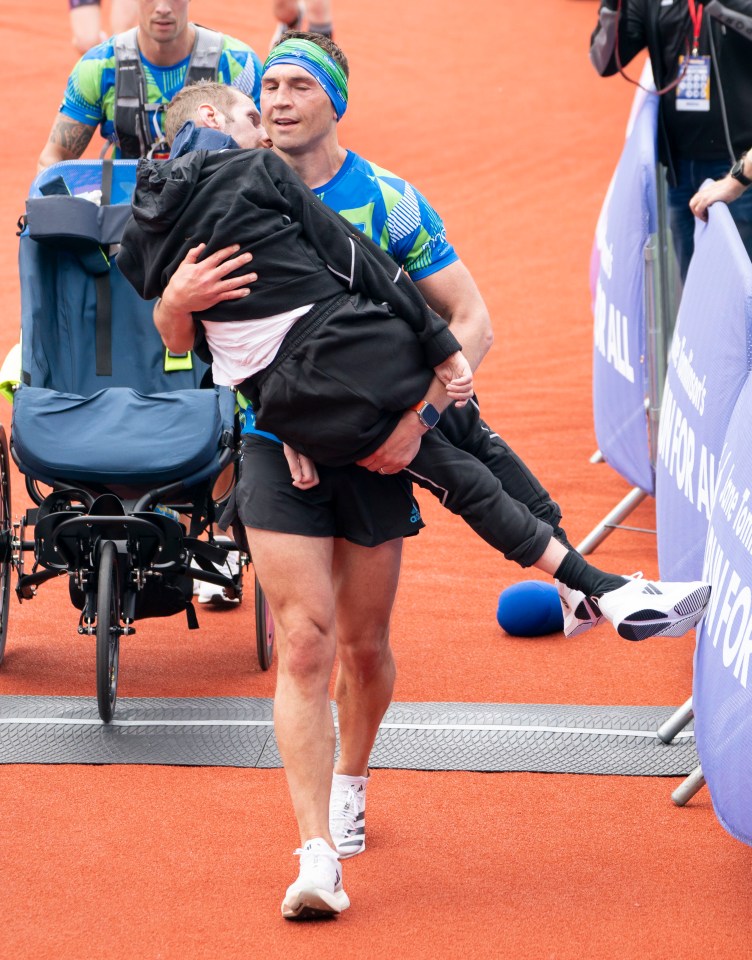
<point>363,507</point>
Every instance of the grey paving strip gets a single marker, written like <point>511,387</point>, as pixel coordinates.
<point>238,732</point>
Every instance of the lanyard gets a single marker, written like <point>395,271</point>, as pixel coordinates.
<point>695,14</point>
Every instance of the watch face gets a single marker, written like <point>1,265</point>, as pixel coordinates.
<point>429,415</point>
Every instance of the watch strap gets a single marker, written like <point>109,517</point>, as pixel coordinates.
<point>737,172</point>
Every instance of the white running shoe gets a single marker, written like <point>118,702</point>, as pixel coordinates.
<point>212,592</point>
<point>347,814</point>
<point>655,608</point>
<point>581,613</point>
<point>317,893</point>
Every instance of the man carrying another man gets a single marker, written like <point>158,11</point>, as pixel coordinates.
<point>309,590</point>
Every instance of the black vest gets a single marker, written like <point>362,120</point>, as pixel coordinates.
<point>137,126</point>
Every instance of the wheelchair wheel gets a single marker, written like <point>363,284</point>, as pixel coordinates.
<point>264,629</point>
<point>108,631</point>
<point>6,537</point>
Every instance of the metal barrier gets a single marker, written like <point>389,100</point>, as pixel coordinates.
<point>660,304</point>
<point>667,732</point>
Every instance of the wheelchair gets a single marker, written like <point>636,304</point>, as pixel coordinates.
<point>120,442</point>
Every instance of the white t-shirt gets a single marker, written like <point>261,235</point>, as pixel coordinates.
<point>241,348</point>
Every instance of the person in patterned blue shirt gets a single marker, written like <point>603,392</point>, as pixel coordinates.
<point>327,546</point>
<point>165,52</point>
<point>328,569</point>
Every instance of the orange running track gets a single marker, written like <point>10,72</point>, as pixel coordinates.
<point>494,112</point>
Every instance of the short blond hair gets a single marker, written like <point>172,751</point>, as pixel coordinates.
<point>186,102</point>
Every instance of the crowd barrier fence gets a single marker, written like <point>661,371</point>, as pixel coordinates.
<point>674,421</point>
<point>631,284</point>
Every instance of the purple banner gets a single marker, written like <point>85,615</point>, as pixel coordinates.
<point>722,695</point>
<point>620,375</point>
<point>708,364</point>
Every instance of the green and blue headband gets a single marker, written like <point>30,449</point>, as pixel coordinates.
<point>311,57</point>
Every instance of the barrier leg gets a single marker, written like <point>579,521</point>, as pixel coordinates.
<point>686,790</point>
<point>620,512</point>
<point>676,722</point>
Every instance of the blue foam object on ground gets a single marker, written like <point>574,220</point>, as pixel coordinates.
<point>530,609</point>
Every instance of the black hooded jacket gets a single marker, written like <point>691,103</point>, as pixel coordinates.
<point>303,252</point>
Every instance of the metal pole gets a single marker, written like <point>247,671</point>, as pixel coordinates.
<point>656,359</point>
<point>676,722</point>
<point>670,281</point>
<point>686,790</point>
<point>622,510</point>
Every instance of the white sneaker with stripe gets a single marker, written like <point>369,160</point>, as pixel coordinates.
<point>212,592</point>
<point>655,608</point>
<point>581,612</point>
<point>317,893</point>
<point>347,814</point>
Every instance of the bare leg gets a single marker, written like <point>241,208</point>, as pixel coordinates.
<point>86,24</point>
<point>296,574</point>
<point>551,558</point>
<point>319,10</point>
<point>286,11</point>
<point>365,581</point>
<point>123,15</point>
<point>319,13</point>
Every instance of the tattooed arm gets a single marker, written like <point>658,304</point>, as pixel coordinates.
<point>67,141</point>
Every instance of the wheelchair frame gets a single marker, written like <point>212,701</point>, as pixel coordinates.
<point>115,551</point>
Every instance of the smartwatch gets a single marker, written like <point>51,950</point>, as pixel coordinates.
<point>427,414</point>
<point>737,172</point>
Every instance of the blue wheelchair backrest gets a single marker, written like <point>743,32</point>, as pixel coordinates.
<point>84,328</point>
<point>99,400</point>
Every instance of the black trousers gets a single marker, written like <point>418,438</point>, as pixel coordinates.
<point>337,388</point>
<point>465,428</point>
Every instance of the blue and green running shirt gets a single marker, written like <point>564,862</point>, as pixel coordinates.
<point>393,214</point>
<point>90,93</point>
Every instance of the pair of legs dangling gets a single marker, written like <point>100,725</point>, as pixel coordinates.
<point>341,380</point>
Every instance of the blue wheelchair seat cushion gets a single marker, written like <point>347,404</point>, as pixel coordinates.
<point>530,609</point>
<point>116,435</point>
